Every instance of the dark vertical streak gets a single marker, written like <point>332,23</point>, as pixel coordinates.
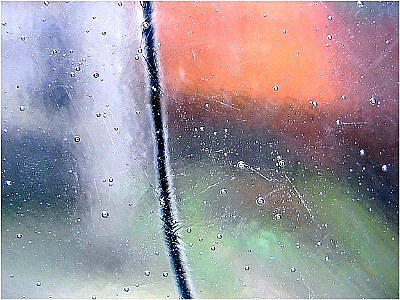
<point>168,218</point>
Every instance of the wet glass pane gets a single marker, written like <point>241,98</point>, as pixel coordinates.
<point>282,122</point>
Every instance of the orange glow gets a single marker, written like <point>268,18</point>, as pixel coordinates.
<point>247,48</point>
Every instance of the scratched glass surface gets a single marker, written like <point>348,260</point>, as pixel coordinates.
<point>282,122</point>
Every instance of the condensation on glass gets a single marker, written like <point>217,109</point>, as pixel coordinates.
<point>283,143</point>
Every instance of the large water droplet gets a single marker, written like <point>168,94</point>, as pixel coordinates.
<point>147,273</point>
<point>223,192</point>
<point>275,88</point>
<point>260,201</point>
<point>105,214</point>
<point>385,168</point>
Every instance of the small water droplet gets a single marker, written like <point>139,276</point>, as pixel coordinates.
<point>329,36</point>
<point>72,74</point>
<point>319,244</point>
<point>278,216</point>
<point>98,114</point>
<point>247,268</point>
<point>360,4</point>
<point>46,3</point>
<point>241,165</point>
<point>223,192</point>
<point>362,152</point>
<point>103,32</point>
<point>96,75</point>
<point>145,25</point>
<point>373,100</point>
<point>77,139</point>
<point>19,236</point>
<point>212,248</point>
<point>22,108</point>
<point>385,168</point>
<point>326,258</point>
<point>165,274</point>
<point>94,297</point>
<point>105,214</point>
<point>38,283</point>
<point>219,236</point>
<point>8,182</point>
<point>330,18</point>
<point>313,104</point>
<point>137,57</point>
<point>275,88</point>
<point>189,230</point>
<point>260,201</point>
<point>343,97</point>
<point>292,269</point>
<point>120,3</point>
<point>126,289</point>
<point>147,273</point>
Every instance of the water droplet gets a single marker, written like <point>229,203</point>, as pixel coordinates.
<point>329,36</point>
<point>77,139</point>
<point>201,240</point>
<point>360,4</point>
<point>3,23</point>
<point>98,114</point>
<point>105,214</point>
<point>247,268</point>
<point>284,31</point>
<point>165,274</point>
<point>55,51</point>
<point>278,216</point>
<point>212,248</point>
<point>126,289</point>
<point>38,283</point>
<point>241,165</point>
<point>363,152</point>
<point>8,182</point>
<point>189,230</point>
<point>219,236</point>
<point>330,18</point>
<point>96,75</point>
<point>385,168</point>
<point>373,100</point>
<point>72,74</point>
<point>313,104</point>
<point>137,57</point>
<point>22,108</point>
<point>319,244</point>
<point>147,273</point>
<point>120,3</point>
<point>145,25</point>
<point>343,97</point>
<point>19,236</point>
<point>46,3</point>
<point>260,201</point>
<point>223,192</point>
<point>326,258</point>
<point>293,269</point>
<point>140,50</point>
<point>297,245</point>
<point>23,38</point>
<point>94,297</point>
<point>103,32</point>
<point>275,88</point>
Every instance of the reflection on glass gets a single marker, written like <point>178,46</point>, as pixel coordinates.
<point>283,142</point>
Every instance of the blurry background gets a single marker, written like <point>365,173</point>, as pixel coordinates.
<point>283,132</point>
